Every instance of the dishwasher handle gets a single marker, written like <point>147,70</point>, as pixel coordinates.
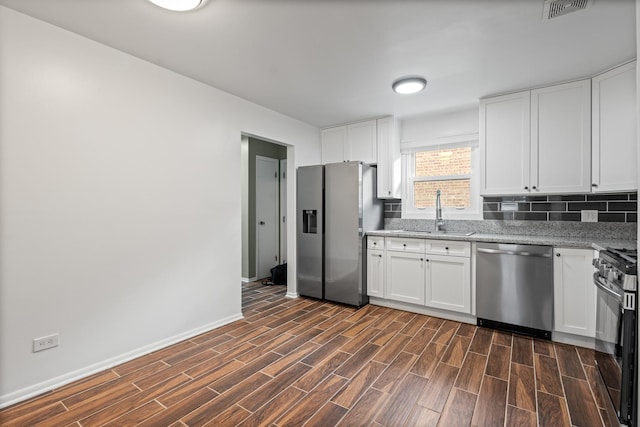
<point>519,253</point>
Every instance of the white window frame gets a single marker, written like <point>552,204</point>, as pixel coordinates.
<point>408,178</point>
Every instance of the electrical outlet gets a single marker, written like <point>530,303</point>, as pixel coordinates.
<point>589,216</point>
<point>508,206</point>
<point>44,343</point>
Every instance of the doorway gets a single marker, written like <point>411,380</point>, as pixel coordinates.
<point>264,204</point>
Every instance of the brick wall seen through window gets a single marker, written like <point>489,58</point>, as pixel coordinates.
<point>442,163</point>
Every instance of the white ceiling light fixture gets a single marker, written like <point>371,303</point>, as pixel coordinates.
<point>409,85</point>
<point>179,5</point>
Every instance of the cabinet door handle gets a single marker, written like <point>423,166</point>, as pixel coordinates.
<point>380,255</point>
<point>427,259</point>
<point>421,259</point>
<point>526,188</point>
<point>446,248</point>
<point>558,254</point>
<point>594,185</point>
<point>262,222</point>
<point>533,188</point>
<point>389,192</point>
<point>404,245</point>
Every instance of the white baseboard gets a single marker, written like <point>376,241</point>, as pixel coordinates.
<point>57,382</point>
<point>572,339</point>
<point>291,295</point>
<point>248,279</point>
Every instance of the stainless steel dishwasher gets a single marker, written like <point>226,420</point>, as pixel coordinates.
<point>514,288</point>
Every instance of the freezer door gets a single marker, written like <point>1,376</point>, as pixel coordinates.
<point>343,233</point>
<point>309,231</point>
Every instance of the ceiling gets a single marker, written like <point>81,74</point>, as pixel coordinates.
<point>328,62</point>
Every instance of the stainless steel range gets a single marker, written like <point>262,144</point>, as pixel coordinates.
<point>616,280</point>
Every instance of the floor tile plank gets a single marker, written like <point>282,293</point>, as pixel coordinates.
<point>428,360</point>
<point>520,418</point>
<point>569,361</point>
<point>522,350</point>
<point>456,351</point>
<point>522,387</point>
<point>582,407</point>
<point>391,377</point>
<point>312,402</point>
<point>481,341</point>
<point>365,410</point>
<point>458,410</point>
<point>401,404</point>
<point>552,411</point>
<point>436,393</point>
<point>355,388</point>
<point>547,375</point>
<point>328,415</point>
<point>498,362</point>
<point>491,405</point>
<point>471,373</point>
<point>321,371</point>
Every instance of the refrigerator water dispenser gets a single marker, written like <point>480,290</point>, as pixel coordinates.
<point>310,221</point>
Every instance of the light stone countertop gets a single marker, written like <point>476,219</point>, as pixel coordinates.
<point>597,243</point>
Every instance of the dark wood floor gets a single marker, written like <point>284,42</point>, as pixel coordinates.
<point>294,362</point>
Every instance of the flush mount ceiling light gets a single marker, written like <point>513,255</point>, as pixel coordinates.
<point>178,5</point>
<point>408,85</point>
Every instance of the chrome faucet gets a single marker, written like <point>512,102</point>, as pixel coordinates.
<point>439,220</point>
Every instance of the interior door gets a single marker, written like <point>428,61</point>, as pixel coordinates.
<point>283,211</point>
<point>267,212</point>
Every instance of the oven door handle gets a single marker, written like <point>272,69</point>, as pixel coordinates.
<point>603,287</point>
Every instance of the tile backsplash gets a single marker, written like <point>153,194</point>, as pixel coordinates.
<point>613,207</point>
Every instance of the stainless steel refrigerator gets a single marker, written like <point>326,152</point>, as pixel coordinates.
<point>336,205</point>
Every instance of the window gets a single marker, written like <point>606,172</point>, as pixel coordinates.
<point>448,167</point>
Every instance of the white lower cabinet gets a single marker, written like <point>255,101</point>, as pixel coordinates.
<point>448,283</point>
<point>405,277</point>
<point>375,273</point>
<point>574,292</point>
<point>431,273</point>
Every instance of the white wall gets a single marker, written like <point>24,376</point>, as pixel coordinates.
<point>120,203</point>
<point>431,127</point>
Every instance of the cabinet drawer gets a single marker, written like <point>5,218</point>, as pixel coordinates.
<point>375,242</point>
<point>405,245</point>
<point>448,247</point>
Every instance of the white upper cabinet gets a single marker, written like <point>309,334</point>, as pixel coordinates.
<point>614,165</point>
<point>389,169</point>
<point>504,143</point>
<point>361,142</point>
<point>561,138</point>
<point>354,142</point>
<point>334,141</point>
<point>537,142</point>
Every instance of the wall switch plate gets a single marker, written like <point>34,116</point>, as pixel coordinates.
<point>589,216</point>
<point>44,343</point>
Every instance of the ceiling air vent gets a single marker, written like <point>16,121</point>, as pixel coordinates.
<point>555,8</point>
